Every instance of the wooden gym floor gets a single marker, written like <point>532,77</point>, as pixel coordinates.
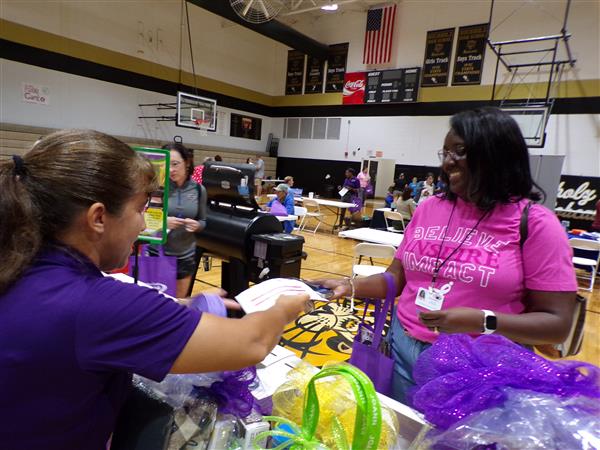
<point>330,256</point>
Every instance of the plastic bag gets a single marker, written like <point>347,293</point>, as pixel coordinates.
<point>336,401</point>
<point>527,421</point>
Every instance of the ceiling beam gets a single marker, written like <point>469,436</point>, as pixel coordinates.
<point>272,29</point>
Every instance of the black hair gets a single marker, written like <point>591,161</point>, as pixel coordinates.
<point>497,158</point>
<point>218,158</point>
<point>352,171</point>
<point>186,154</point>
<point>406,193</point>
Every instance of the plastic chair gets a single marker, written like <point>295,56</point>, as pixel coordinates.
<point>395,216</point>
<point>312,210</point>
<point>588,263</point>
<point>300,212</point>
<point>371,251</point>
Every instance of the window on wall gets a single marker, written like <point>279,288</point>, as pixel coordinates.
<point>319,128</point>
<point>333,128</point>
<point>293,126</point>
<point>312,128</point>
<point>306,125</point>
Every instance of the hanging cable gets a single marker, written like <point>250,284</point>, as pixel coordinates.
<point>180,46</point>
<point>187,16</point>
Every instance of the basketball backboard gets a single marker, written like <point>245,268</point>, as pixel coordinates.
<point>532,121</point>
<point>196,112</point>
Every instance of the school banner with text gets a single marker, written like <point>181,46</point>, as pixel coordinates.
<point>295,73</point>
<point>438,51</point>
<point>576,200</point>
<point>336,67</point>
<point>314,76</point>
<point>470,51</point>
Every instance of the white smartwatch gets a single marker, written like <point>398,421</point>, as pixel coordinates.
<point>490,322</point>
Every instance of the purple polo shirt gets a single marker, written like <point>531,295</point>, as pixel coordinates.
<point>70,339</point>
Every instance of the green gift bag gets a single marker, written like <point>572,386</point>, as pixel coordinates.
<point>367,425</point>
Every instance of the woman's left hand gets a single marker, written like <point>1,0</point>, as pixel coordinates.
<point>191,225</point>
<point>453,320</point>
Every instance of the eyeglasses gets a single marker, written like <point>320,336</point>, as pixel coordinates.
<point>458,154</point>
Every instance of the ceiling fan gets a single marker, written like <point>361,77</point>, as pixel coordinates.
<point>256,11</point>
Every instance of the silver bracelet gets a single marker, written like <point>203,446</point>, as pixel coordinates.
<point>351,283</point>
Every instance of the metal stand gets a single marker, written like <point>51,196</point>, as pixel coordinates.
<point>519,55</point>
<point>161,107</point>
<point>135,269</point>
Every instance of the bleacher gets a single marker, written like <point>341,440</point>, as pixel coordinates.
<point>18,140</point>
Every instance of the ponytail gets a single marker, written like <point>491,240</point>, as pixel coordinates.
<point>20,236</point>
<point>65,172</point>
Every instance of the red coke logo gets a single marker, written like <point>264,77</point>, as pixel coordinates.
<point>356,85</point>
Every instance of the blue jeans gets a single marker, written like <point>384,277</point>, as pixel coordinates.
<point>405,351</point>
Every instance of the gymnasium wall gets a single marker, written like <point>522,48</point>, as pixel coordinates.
<point>100,61</point>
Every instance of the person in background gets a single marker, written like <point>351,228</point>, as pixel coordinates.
<point>364,179</point>
<point>400,183</point>
<point>218,158</point>
<point>413,185</point>
<point>259,174</point>
<point>440,186</point>
<point>289,180</point>
<point>70,208</point>
<point>250,160</point>
<point>389,197</point>
<point>186,215</point>
<point>596,224</point>
<point>352,185</point>
<point>284,197</point>
<point>463,244</point>
<point>426,189</point>
<point>197,174</point>
<point>405,205</point>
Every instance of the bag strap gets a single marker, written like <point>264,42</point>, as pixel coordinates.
<point>523,226</point>
<point>381,316</point>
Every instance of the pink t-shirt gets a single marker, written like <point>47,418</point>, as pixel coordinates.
<point>488,271</point>
<point>363,179</point>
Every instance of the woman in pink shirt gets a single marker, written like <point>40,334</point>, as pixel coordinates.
<point>364,179</point>
<point>460,267</point>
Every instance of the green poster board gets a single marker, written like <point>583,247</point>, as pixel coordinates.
<point>156,213</point>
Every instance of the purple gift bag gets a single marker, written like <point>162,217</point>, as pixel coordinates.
<point>366,352</point>
<point>158,271</point>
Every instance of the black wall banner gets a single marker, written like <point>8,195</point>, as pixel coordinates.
<point>245,127</point>
<point>438,51</point>
<point>314,76</point>
<point>470,50</point>
<point>295,73</point>
<point>576,200</point>
<point>336,67</point>
<point>392,86</point>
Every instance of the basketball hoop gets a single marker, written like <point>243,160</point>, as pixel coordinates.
<point>202,125</point>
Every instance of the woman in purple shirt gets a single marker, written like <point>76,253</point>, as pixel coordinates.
<point>352,184</point>
<point>70,337</point>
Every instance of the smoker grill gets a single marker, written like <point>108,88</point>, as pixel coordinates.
<point>250,243</point>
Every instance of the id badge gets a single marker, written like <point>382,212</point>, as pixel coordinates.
<point>430,299</point>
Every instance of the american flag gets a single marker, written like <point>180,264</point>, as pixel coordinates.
<point>378,37</point>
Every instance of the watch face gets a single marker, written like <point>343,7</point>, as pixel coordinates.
<point>491,322</point>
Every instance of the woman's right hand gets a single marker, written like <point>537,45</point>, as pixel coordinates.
<point>339,286</point>
<point>294,305</point>
<point>174,222</point>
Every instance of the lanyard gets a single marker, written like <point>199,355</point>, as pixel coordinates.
<point>438,266</point>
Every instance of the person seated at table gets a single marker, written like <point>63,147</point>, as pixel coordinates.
<point>463,245</point>
<point>289,180</point>
<point>284,197</point>
<point>414,184</point>
<point>425,189</point>
<point>72,338</point>
<point>389,197</point>
<point>405,205</point>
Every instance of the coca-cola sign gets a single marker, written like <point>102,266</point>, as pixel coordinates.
<point>354,88</point>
